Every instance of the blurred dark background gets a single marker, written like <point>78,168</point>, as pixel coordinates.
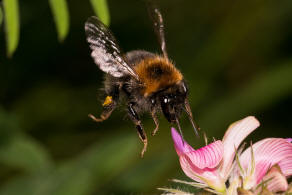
<point>235,56</point>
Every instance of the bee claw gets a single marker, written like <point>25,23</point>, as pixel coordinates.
<point>144,148</point>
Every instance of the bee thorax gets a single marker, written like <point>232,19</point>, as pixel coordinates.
<point>157,73</point>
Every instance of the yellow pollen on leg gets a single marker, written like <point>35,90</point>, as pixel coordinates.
<point>108,100</point>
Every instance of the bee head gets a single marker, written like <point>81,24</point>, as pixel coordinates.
<point>173,100</point>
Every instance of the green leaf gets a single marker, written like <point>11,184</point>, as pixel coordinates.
<point>1,15</point>
<point>101,10</point>
<point>61,16</point>
<point>11,25</point>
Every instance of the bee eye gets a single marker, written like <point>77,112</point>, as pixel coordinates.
<point>165,100</point>
<point>153,101</point>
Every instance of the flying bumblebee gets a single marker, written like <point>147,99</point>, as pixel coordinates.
<point>150,82</point>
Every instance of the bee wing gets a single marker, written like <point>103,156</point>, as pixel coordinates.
<point>158,24</point>
<point>105,50</point>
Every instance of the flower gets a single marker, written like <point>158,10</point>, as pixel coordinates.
<point>259,164</point>
<point>267,163</point>
<point>200,165</point>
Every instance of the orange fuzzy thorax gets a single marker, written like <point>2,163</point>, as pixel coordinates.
<point>157,73</point>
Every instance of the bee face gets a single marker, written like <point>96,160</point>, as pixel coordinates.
<point>172,100</point>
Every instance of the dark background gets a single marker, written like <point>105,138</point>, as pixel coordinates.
<point>235,56</point>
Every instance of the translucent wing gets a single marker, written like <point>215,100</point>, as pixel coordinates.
<point>105,50</point>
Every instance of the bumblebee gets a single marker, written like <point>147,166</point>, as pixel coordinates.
<point>150,82</point>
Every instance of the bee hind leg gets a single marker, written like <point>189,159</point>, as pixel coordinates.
<point>109,105</point>
<point>107,111</point>
<point>135,118</point>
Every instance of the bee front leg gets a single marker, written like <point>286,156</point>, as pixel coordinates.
<point>135,118</point>
<point>154,117</point>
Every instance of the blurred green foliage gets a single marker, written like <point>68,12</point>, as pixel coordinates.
<point>12,24</point>
<point>1,15</point>
<point>61,16</point>
<point>235,56</point>
<point>101,10</point>
<point>59,11</point>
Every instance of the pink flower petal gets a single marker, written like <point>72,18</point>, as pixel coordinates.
<point>207,176</point>
<point>180,145</point>
<point>234,135</point>
<point>208,156</point>
<point>261,168</point>
<point>286,166</point>
<point>195,173</point>
<point>201,164</point>
<point>276,181</point>
<point>267,153</point>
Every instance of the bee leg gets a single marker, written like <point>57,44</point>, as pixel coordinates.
<point>135,118</point>
<point>109,105</point>
<point>107,110</point>
<point>154,117</point>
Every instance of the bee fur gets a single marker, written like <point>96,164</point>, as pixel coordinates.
<point>147,82</point>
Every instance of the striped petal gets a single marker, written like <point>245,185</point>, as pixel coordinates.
<point>201,164</point>
<point>286,165</point>
<point>180,145</point>
<point>276,180</point>
<point>205,157</point>
<point>233,137</point>
<point>208,176</point>
<point>267,153</point>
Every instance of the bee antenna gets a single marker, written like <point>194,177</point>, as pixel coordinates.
<point>187,109</point>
